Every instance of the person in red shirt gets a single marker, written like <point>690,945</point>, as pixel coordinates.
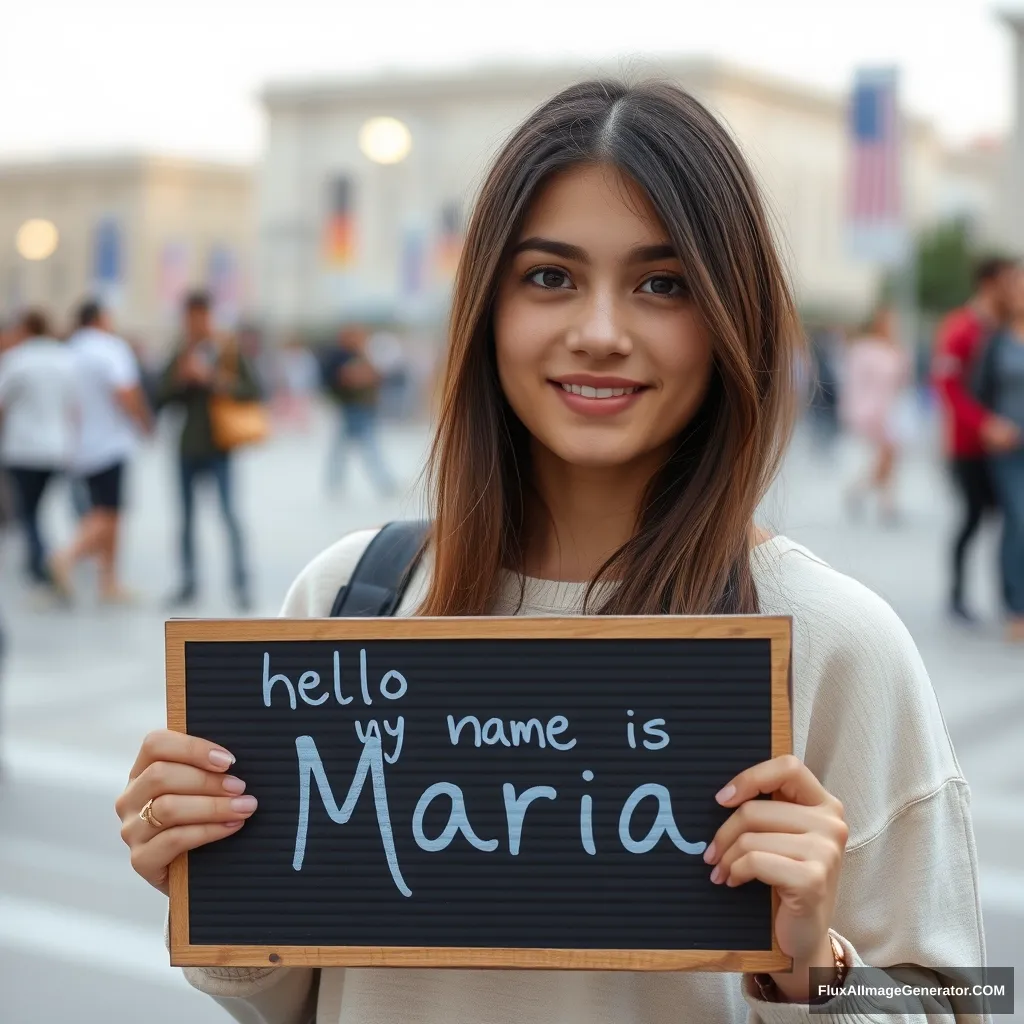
<point>971,430</point>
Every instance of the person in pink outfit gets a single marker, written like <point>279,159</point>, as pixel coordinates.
<point>876,373</point>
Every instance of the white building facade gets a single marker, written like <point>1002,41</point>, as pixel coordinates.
<point>134,230</point>
<point>795,138</point>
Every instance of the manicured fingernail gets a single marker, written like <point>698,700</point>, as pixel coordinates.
<point>243,804</point>
<point>716,875</point>
<point>725,794</point>
<point>221,758</point>
<point>233,785</point>
<point>709,854</point>
<point>233,824</point>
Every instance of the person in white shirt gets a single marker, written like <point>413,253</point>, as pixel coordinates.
<point>37,409</point>
<point>112,413</point>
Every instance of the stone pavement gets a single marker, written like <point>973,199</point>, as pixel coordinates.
<point>80,936</point>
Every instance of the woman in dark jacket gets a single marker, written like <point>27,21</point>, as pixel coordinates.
<point>203,366</point>
<point>1000,388</point>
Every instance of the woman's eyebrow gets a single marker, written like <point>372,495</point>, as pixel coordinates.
<point>567,251</point>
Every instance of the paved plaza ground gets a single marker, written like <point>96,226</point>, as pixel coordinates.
<point>81,936</point>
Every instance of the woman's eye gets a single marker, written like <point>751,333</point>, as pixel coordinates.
<point>548,277</point>
<point>664,285</point>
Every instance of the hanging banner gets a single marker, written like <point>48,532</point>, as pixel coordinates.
<point>448,247</point>
<point>876,221</point>
<point>108,261</point>
<point>339,243</point>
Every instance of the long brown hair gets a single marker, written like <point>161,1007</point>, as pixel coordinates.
<point>690,553</point>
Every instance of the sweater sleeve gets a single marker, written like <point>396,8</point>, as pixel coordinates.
<point>916,916</point>
<point>867,723</point>
<point>285,995</point>
<point>954,354</point>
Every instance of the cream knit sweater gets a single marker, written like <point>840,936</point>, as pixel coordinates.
<point>866,722</point>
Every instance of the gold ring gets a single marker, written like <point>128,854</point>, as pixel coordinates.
<point>147,815</point>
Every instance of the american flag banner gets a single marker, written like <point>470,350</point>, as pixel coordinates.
<point>876,226</point>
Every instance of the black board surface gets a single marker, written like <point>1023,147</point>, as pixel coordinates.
<point>594,716</point>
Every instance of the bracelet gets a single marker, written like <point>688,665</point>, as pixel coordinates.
<point>769,991</point>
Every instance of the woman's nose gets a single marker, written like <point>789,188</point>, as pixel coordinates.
<point>600,330</point>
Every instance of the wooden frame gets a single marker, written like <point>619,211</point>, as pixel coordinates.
<point>776,629</point>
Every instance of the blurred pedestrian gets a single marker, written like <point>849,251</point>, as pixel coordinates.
<point>971,429</point>
<point>296,377</point>
<point>205,365</point>
<point>37,428</point>
<point>1000,389</point>
<point>823,400</point>
<point>112,413</point>
<point>354,381</point>
<point>876,372</point>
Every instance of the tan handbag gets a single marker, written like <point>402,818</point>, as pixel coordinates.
<point>234,422</point>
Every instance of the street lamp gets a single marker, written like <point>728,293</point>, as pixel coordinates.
<point>385,140</point>
<point>37,240</point>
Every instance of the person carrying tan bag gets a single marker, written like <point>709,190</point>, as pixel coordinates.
<point>217,388</point>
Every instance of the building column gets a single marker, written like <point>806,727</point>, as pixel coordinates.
<point>1013,182</point>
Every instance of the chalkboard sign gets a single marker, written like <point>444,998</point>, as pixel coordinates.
<point>493,792</point>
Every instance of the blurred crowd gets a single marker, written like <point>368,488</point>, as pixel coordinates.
<point>77,404</point>
<point>869,383</point>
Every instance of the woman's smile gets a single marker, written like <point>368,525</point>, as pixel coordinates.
<point>598,396</point>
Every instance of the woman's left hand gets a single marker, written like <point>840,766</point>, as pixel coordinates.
<point>794,842</point>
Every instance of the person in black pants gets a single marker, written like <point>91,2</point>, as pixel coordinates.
<point>973,480</point>
<point>29,487</point>
<point>972,430</point>
<point>37,407</point>
<point>204,364</point>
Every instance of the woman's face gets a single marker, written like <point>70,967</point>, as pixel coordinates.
<point>600,350</point>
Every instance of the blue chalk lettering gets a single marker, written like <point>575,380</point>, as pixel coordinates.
<point>556,726</point>
<point>494,732</point>
<point>372,730</point>
<point>370,761</point>
<point>402,687</point>
<point>269,680</point>
<point>587,824</point>
<point>457,821</point>
<point>337,681</point>
<point>515,810</point>
<point>362,677</point>
<point>310,681</point>
<point>664,823</point>
<point>661,737</point>
<point>455,731</point>
<point>521,732</point>
<point>399,733</point>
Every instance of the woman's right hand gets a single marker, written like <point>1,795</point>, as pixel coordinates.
<point>194,801</point>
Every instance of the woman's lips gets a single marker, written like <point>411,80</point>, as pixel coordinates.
<point>598,401</point>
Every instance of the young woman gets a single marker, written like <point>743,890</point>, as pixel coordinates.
<point>875,377</point>
<point>617,399</point>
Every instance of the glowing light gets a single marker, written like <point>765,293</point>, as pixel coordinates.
<point>385,140</point>
<point>37,239</point>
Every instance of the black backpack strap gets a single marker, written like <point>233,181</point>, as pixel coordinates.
<point>382,573</point>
